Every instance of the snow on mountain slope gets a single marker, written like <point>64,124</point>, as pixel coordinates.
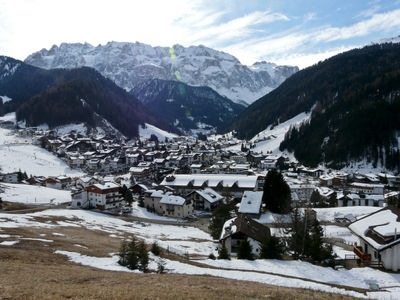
<point>149,129</point>
<point>5,99</point>
<point>18,153</point>
<point>270,139</point>
<point>128,64</point>
<point>23,193</point>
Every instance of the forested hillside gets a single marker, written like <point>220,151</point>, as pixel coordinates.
<point>356,113</point>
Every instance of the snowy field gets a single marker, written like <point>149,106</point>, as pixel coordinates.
<point>31,194</point>
<point>351,212</point>
<point>18,153</point>
<point>148,130</point>
<point>193,241</point>
<point>179,239</point>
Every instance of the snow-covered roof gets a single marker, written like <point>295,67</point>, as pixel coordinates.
<point>210,195</point>
<point>379,229</point>
<point>251,202</point>
<point>172,200</point>
<point>212,180</point>
<point>366,185</point>
<point>106,186</point>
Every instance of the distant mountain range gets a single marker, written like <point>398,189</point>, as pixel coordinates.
<point>355,103</point>
<point>130,65</point>
<point>191,109</point>
<point>60,97</point>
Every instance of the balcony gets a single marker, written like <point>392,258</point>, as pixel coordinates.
<point>358,251</point>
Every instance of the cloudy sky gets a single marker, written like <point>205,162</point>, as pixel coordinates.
<point>295,32</point>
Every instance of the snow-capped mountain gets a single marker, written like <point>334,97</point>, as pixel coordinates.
<point>128,64</point>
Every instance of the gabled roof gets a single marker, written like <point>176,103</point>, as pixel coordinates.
<point>172,200</point>
<point>247,226</point>
<point>210,195</point>
<point>380,229</point>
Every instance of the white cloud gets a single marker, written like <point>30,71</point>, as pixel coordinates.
<point>236,28</point>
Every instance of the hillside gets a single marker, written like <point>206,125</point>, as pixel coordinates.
<point>357,104</point>
<point>185,106</point>
<point>130,64</point>
<point>59,97</point>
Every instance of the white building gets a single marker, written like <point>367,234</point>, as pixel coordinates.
<point>175,206</point>
<point>225,184</point>
<point>101,196</point>
<point>379,239</point>
<point>367,188</point>
<point>206,199</point>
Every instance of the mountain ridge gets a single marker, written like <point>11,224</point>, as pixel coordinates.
<point>189,108</point>
<point>54,97</point>
<point>128,64</point>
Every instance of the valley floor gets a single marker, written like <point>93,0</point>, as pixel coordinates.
<point>31,270</point>
<point>72,253</point>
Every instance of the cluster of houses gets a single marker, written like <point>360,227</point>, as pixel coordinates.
<point>177,177</point>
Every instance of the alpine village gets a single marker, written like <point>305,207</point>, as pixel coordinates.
<point>129,171</point>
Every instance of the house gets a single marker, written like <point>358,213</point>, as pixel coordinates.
<point>379,241</point>
<point>303,191</point>
<point>240,228</point>
<point>195,168</point>
<point>367,188</point>
<point>206,199</point>
<point>53,183</point>
<point>138,190</point>
<point>225,184</point>
<point>251,204</point>
<point>10,177</point>
<point>104,196</point>
<point>139,172</point>
<point>176,206</point>
<point>152,200</point>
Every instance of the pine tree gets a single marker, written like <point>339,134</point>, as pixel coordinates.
<point>123,254</point>
<point>298,234</point>
<point>223,253</point>
<point>276,195</point>
<point>143,257</point>
<point>272,248</point>
<point>132,254</point>
<point>317,250</point>
<point>155,249</point>
<point>245,250</point>
<point>219,217</point>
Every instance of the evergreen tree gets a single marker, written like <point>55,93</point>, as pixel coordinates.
<point>223,253</point>
<point>272,248</point>
<point>245,250</point>
<point>317,200</point>
<point>155,249</point>
<point>317,250</point>
<point>132,254</point>
<point>218,219</point>
<point>20,177</point>
<point>276,195</point>
<point>143,257</point>
<point>123,254</point>
<point>298,234</point>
